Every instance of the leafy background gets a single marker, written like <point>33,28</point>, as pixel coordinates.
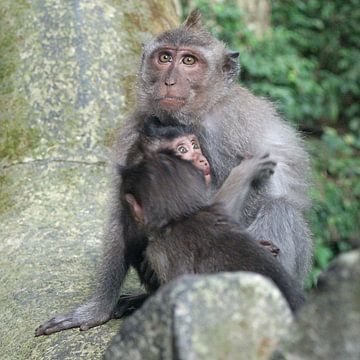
<point>308,63</point>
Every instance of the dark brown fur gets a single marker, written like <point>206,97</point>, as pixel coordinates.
<point>189,235</point>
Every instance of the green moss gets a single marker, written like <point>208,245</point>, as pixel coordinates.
<point>5,198</point>
<point>110,137</point>
<point>16,138</point>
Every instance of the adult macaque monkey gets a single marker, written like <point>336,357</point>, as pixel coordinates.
<point>188,75</point>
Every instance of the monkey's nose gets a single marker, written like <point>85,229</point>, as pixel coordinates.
<point>169,82</point>
<point>203,162</point>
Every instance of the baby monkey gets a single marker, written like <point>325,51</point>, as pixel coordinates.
<point>183,142</point>
<point>188,228</point>
<point>187,231</point>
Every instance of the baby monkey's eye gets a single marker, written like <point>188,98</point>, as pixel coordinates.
<point>182,149</point>
<point>195,146</point>
<point>165,57</point>
<point>189,60</point>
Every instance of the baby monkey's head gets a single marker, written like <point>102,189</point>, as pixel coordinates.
<point>179,139</point>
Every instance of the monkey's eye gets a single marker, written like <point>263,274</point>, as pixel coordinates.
<point>165,57</point>
<point>195,145</point>
<point>182,149</point>
<point>189,60</point>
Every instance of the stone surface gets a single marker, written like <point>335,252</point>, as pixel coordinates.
<point>66,74</point>
<point>329,326</point>
<point>224,316</point>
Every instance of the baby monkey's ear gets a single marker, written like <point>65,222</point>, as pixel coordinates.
<point>136,209</point>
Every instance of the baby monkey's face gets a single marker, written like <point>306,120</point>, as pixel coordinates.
<point>188,148</point>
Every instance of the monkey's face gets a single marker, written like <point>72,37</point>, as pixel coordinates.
<point>188,148</point>
<point>185,72</point>
<point>176,77</point>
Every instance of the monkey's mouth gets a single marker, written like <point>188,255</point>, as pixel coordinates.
<point>172,101</point>
<point>207,179</point>
<point>207,175</point>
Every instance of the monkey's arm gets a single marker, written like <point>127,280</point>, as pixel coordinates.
<point>250,173</point>
<point>233,193</point>
<point>113,267</point>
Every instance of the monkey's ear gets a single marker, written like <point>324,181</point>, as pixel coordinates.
<point>231,67</point>
<point>136,209</point>
<point>193,20</point>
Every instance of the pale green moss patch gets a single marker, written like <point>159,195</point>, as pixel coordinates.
<point>16,137</point>
<point>5,198</point>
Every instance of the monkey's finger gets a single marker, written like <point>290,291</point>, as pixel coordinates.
<point>125,297</point>
<point>55,325</point>
<point>265,242</point>
<point>90,324</point>
<point>264,173</point>
<point>85,327</point>
<point>68,324</point>
<point>269,163</point>
<point>268,172</point>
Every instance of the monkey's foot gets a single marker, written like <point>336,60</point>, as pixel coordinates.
<point>127,304</point>
<point>268,245</point>
<point>84,317</point>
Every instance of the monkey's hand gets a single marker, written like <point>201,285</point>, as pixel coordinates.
<point>252,172</point>
<point>84,317</point>
<point>263,168</point>
<point>257,169</point>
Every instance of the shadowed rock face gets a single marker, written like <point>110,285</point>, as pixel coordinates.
<point>68,70</point>
<point>329,327</point>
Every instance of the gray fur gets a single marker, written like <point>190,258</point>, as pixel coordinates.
<point>232,124</point>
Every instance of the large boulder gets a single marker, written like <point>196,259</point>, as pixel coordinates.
<point>67,71</point>
<point>243,316</point>
<point>223,316</point>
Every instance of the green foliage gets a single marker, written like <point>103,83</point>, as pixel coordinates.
<point>308,63</point>
<point>328,34</point>
<point>335,215</point>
